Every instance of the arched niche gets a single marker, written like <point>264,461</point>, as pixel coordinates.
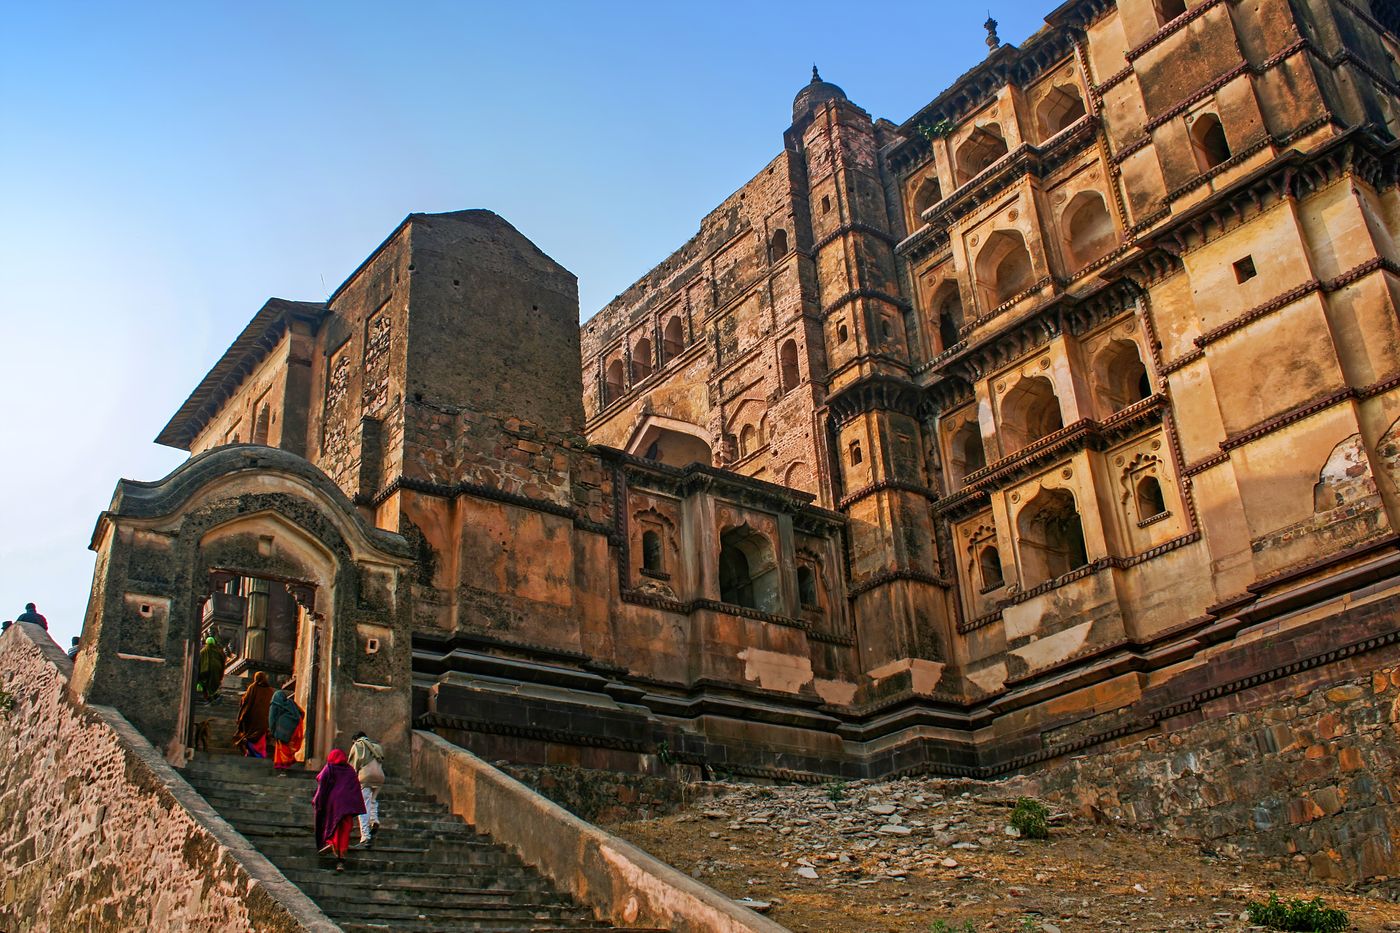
<point>1120,377</point>
<point>789,371</point>
<point>1003,267</point>
<point>672,339</point>
<point>613,382</point>
<point>1087,229</point>
<point>671,441</point>
<point>777,245</point>
<point>1059,110</point>
<point>1030,411</point>
<point>1208,142</point>
<point>1050,535</point>
<point>948,309</point>
<point>968,453</point>
<point>926,195</point>
<point>641,360</point>
<point>748,572</point>
<point>983,146</point>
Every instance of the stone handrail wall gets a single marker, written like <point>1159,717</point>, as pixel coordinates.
<point>619,881</point>
<point>99,833</point>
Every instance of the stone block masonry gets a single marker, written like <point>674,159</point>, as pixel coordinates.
<point>98,833</point>
<point>1295,769</point>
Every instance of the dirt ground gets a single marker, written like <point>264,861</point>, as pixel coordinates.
<point>906,856</point>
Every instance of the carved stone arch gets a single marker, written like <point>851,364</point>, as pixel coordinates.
<point>670,441</point>
<point>748,569</point>
<point>1004,268</point>
<point>263,513</point>
<point>1059,109</point>
<point>1087,229</point>
<point>798,476</point>
<point>1050,536</point>
<point>983,146</point>
<point>652,558</point>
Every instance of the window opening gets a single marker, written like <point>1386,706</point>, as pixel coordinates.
<point>651,552</point>
<point>1208,138</point>
<point>778,245</point>
<point>788,369</point>
<point>807,587</point>
<point>748,575</point>
<point>1150,502</point>
<point>989,564</point>
<point>641,360</point>
<point>1121,376</point>
<point>613,386</point>
<point>1244,269</point>
<point>672,339</point>
<point>1051,536</point>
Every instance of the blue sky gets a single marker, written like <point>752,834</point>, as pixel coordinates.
<point>165,168</point>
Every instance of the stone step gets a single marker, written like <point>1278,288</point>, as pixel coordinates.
<point>479,926</point>
<point>428,870</point>
<point>302,853</point>
<point>350,893</point>
<point>471,868</point>
<point>298,818</point>
<point>351,910</point>
<point>400,885</point>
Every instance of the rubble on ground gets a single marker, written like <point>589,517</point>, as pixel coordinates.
<point>907,855</point>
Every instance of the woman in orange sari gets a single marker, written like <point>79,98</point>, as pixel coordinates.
<point>286,723</point>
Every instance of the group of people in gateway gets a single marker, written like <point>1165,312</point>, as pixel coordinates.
<point>271,724</point>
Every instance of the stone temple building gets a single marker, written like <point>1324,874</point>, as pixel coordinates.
<point>1058,418</point>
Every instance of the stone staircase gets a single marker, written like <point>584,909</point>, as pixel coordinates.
<point>428,870</point>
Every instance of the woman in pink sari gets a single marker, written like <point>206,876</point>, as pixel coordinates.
<point>337,803</point>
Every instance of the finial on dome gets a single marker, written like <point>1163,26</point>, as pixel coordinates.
<point>816,78</point>
<point>991,26</point>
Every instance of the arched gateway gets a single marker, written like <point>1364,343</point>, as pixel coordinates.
<point>258,546</point>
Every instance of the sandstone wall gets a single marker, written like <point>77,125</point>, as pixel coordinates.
<point>98,833</point>
<point>1293,768</point>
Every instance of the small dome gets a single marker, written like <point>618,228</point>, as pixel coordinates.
<point>816,92</point>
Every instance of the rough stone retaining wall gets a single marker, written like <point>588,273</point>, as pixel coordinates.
<point>98,833</point>
<point>609,796</point>
<point>1306,766</point>
<point>620,882</point>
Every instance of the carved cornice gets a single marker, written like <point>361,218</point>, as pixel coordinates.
<point>844,229</point>
<point>1278,303</point>
<point>1007,305</point>
<point>1170,28</point>
<point>1064,313</point>
<point>1005,65</point>
<point>890,485</point>
<point>689,606</point>
<point>872,394</point>
<point>1083,434</point>
<point>859,293</point>
<point>982,621</point>
<point>1110,562</point>
<point>890,576</point>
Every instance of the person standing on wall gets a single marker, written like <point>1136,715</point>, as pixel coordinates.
<point>286,722</point>
<point>336,803</point>
<point>253,708</point>
<point>31,615</point>
<point>366,757</point>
